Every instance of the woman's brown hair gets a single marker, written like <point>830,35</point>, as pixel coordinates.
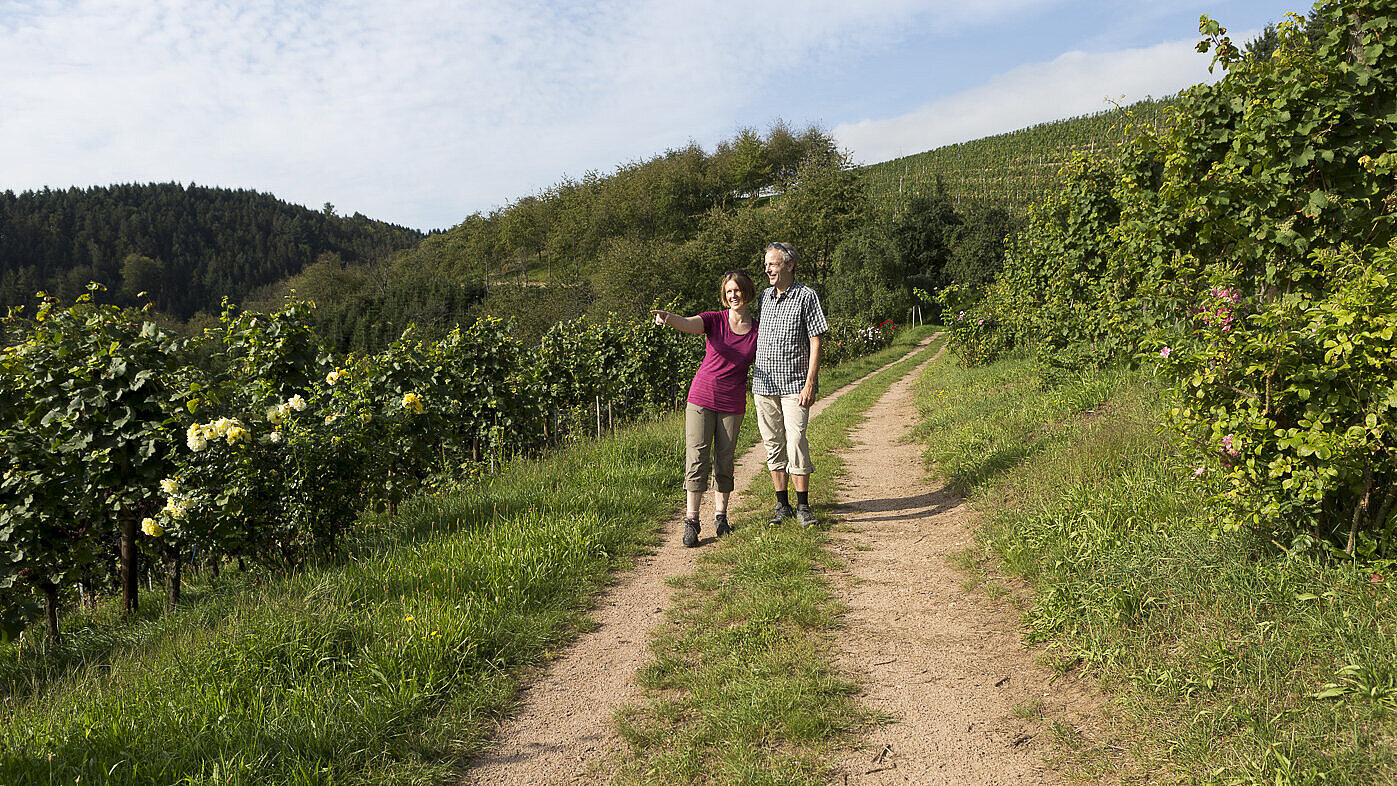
<point>744,284</point>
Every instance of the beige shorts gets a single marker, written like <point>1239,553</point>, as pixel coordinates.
<point>782,421</point>
<point>710,438</point>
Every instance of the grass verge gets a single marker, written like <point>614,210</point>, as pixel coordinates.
<point>1231,662</point>
<point>387,668</point>
<point>741,689</point>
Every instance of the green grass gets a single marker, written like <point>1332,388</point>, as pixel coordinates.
<point>741,689</point>
<point>390,666</point>
<point>1217,648</point>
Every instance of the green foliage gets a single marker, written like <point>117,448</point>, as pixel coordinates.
<point>1273,186</point>
<point>87,425</point>
<point>980,242</point>
<point>193,245</point>
<point>925,234</point>
<point>850,338</point>
<point>868,280</point>
<point>824,206</point>
<point>1292,402</point>
<point>251,441</point>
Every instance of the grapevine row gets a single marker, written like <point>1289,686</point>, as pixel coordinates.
<point>120,441</point>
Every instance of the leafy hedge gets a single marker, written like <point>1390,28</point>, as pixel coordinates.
<point>252,442</point>
<point>1246,248</point>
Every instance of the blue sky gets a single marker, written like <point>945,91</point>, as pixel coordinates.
<point>421,112</point>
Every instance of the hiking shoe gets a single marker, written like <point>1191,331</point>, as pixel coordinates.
<point>806,516</point>
<point>691,530</point>
<point>720,523</point>
<point>781,513</point>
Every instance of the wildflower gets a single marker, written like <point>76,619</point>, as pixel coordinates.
<point>333,377</point>
<point>296,402</point>
<point>276,414</point>
<point>1229,447</point>
<point>169,486</point>
<point>1197,471</point>
<point>413,402</point>
<point>274,437</point>
<point>152,527</point>
<point>981,322</point>
<point>177,509</point>
<point>1166,352</point>
<point>236,433</point>
<point>409,618</point>
<point>1376,579</point>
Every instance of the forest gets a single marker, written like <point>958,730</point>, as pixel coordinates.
<point>185,247</point>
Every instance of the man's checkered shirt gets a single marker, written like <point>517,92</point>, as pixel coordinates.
<point>788,321</point>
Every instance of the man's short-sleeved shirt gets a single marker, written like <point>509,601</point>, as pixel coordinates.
<point>788,320</point>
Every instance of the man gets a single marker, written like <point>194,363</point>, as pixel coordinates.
<point>783,379</point>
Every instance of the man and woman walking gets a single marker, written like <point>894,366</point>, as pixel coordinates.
<point>782,347</point>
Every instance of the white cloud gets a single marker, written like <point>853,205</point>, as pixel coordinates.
<point>1075,83</point>
<point>415,111</point>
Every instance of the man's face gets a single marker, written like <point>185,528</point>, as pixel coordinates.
<point>775,264</point>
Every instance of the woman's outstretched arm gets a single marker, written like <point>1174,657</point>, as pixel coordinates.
<point>682,324</point>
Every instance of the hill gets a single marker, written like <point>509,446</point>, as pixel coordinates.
<point>186,246</point>
<point>1009,170</point>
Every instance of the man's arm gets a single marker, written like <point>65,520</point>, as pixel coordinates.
<point>807,394</point>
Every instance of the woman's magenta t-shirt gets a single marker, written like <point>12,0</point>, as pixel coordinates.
<point>721,381</point>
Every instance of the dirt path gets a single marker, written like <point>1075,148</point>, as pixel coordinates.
<point>949,665</point>
<point>562,728</point>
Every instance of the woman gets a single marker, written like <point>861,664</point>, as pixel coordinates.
<point>717,397</point>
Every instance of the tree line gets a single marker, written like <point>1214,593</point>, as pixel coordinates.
<point>185,247</point>
<point>659,230</point>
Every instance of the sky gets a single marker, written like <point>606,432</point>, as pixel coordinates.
<point>422,112</point>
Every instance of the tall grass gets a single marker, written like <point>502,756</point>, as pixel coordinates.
<point>388,668</point>
<point>1232,661</point>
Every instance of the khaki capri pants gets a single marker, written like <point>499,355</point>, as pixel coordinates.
<point>782,421</point>
<point>710,439</point>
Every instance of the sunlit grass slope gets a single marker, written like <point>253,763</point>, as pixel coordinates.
<point>1231,661</point>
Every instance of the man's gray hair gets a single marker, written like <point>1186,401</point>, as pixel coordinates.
<point>788,251</point>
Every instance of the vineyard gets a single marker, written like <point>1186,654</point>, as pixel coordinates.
<point>1248,252</point>
<point>131,452</point>
<point>1012,170</point>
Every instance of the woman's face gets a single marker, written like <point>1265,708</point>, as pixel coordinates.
<point>732,295</point>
